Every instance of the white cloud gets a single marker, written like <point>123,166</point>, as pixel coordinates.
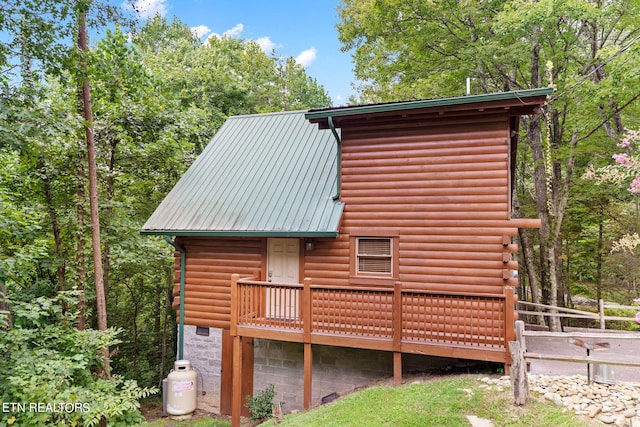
<point>266,44</point>
<point>200,31</point>
<point>146,8</point>
<point>234,32</point>
<point>307,57</point>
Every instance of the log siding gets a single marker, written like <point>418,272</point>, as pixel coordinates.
<point>443,184</point>
<point>210,264</point>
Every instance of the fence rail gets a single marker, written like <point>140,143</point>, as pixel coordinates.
<point>564,312</point>
<point>390,315</point>
<point>590,341</point>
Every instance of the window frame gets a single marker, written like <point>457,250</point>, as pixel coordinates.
<point>370,278</point>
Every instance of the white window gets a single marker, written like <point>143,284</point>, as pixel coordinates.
<point>374,256</point>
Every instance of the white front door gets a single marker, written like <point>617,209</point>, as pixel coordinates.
<point>283,261</point>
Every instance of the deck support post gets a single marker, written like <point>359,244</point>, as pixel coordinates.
<point>308,350</point>
<point>308,376</point>
<point>510,316</point>
<point>236,382</point>
<point>397,368</point>
<point>236,401</point>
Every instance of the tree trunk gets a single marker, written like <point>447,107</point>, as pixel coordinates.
<point>55,226</point>
<point>101,306</point>
<point>548,282</point>
<point>111,189</point>
<point>167,311</point>
<point>527,257</point>
<point>135,300</point>
<point>599,257</point>
<point>80,260</point>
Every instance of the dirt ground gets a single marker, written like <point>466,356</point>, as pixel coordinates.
<point>152,411</point>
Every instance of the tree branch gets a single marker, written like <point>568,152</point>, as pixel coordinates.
<point>606,119</point>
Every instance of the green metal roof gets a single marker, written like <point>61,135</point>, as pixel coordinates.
<point>315,115</point>
<point>261,175</point>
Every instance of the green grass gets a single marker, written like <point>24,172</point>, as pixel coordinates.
<point>439,403</point>
<point>199,422</point>
<point>434,402</point>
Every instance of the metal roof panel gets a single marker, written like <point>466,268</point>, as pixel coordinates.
<point>266,174</point>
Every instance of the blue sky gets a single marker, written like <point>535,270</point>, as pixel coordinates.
<point>304,29</point>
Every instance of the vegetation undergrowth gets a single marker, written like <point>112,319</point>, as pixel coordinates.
<point>52,372</point>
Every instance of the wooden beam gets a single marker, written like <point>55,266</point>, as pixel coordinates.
<point>352,342</point>
<point>271,333</point>
<point>581,359</point>
<point>459,352</point>
<point>236,402</point>
<point>308,374</point>
<point>509,315</point>
<point>397,368</point>
<point>306,308</point>
<point>397,316</point>
<point>234,304</point>
<point>247,373</point>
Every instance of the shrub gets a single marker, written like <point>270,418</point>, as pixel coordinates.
<point>261,404</point>
<point>51,370</point>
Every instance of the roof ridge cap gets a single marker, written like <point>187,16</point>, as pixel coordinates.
<point>272,113</point>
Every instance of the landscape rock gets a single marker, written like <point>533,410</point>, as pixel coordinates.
<point>479,422</point>
<point>611,404</point>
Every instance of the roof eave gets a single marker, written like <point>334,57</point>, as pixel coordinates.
<point>237,233</point>
<point>315,116</point>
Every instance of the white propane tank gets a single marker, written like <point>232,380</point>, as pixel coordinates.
<point>181,390</point>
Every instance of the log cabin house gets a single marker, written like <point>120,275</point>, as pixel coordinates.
<point>318,250</point>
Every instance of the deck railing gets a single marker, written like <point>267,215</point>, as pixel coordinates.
<point>372,317</point>
<point>390,319</point>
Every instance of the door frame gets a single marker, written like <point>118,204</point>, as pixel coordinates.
<point>283,303</point>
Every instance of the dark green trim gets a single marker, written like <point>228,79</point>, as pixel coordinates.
<point>428,103</point>
<point>338,158</point>
<point>236,233</point>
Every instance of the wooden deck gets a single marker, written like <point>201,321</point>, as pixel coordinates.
<point>456,325</point>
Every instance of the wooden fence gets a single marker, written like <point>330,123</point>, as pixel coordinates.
<point>570,313</point>
<point>590,341</point>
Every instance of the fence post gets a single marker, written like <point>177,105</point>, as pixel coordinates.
<point>519,381</point>
<point>234,304</point>
<point>601,313</point>
<point>307,348</point>
<point>306,314</point>
<point>509,314</point>
<point>397,333</point>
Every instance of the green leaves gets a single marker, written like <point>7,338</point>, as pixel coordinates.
<point>48,363</point>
